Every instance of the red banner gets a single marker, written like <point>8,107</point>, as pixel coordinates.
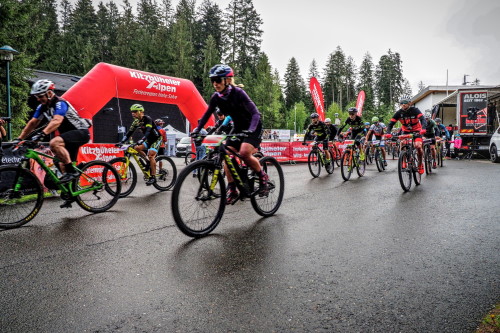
<point>278,150</point>
<point>317,97</point>
<point>360,102</point>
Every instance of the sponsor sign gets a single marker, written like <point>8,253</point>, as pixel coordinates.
<point>477,100</point>
<point>360,102</point>
<point>317,97</point>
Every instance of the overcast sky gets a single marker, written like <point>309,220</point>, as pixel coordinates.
<point>432,36</point>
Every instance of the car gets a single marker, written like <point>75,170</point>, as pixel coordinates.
<point>183,147</point>
<point>495,146</point>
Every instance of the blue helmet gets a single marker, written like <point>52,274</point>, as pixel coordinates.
<point>221,70</point>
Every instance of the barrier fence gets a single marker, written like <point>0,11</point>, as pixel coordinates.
<point>282,151</point>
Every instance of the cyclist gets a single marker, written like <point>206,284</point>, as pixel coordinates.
<point>159,123</point>
<point>61,116</point>
<point>367,127</point>
<point>150,141</point>
<point>234,101</point>
<point>321,132</point>
<point>431,130</point>
<point>333,134</point>
<point>377,128</point>
<point>412,122</point>
<point>357,130</point>
<point>224,124</point>
<point>443,132</point>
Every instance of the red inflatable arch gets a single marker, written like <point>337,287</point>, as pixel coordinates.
<point>105,81</point>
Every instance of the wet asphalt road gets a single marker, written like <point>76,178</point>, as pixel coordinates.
<point>357,256</point>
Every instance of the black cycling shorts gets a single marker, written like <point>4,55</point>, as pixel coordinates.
<point>73,140</point>
<point>254,139</point>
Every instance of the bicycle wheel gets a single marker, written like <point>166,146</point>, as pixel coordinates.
<point>337,158</point>
<point>416,175</point>
<point>361,166</point>
<point>127,175</point>
<point>18,207</point>
<point>346,165</point>
<point>330,167</point>
<point>98,180</point>
<point>404,171</point>
<point>428,160</point>
<point>379,161</point>
<point>166,173</point>
<point>395,152</point>
<point>196,206</point>
<point>314,163</point>
<point>368,157</point>
<point>189,158</point>
<point>268,205</point>
<point>440,156</point>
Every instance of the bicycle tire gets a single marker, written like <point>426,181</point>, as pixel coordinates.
<point>107,192</point>
<point>378,161</point>
<point>314,163</point>
<point>196,209</point>
<point>417,177</point>
<point>166,173</point>
<point>346,165</point>
<point>368,156</point>
<point>404,171</point>
<point>189,158</point>
<point>361,166</point>
<point>20,208</point>
<point>441,155</point>
<point>268,205</point>
<point>128,176</point>
<point>428,160</point>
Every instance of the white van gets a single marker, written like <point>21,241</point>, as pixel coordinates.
<point>495,146</point>
<point>183,147</point>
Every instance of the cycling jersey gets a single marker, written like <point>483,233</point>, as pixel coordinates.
<point>59,106</point>
<point>145,124</point>
<point>443,131</point>
<point>430,129</point>
<point>234,102</point>
<point>333,131</point>
<point>356,124</point>
<point>377,129</point>
<point>320,129</point>
<point>412,120</point>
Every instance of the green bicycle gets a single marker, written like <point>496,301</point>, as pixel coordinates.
<point>21,193</point>
<point>351,160</point>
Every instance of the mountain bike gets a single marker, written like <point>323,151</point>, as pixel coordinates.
<point>21,192</point>
<point>369,153</point>
<point>408,163</point>
<point>317,159</point>
<point>440,153</point>
<point>378,156</point>
<point>198,202</point>
<point>335,153</point>
<point>428,159</point>
<point>351,160</point>
<point>166,172</point>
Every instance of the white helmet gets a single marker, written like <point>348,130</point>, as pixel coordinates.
<point>328,120</point>
<point>428,114</point>
<point>42,86</point>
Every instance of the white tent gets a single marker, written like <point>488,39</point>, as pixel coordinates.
<point>171,130</point>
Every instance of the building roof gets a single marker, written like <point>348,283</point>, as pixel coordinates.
<point>62,81</point>
<point>434,89</point>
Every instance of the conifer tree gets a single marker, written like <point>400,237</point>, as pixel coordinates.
<point>295,89</point>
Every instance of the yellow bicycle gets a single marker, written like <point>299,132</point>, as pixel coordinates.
<point>166,172</point>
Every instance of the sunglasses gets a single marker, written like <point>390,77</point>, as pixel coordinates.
<point>216,79</point>
<point>40,95</point>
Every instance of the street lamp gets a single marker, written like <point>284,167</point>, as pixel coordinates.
<point>7,55</point>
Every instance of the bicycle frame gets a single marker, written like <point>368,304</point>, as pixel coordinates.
<point>322,155</point>
<point>65,188</point>
<point>233,166</point>
<point>130,151</point>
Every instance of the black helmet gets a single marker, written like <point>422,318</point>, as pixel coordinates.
<point>314,115</point>
<point>438,120</point>
<point>351,110</point>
